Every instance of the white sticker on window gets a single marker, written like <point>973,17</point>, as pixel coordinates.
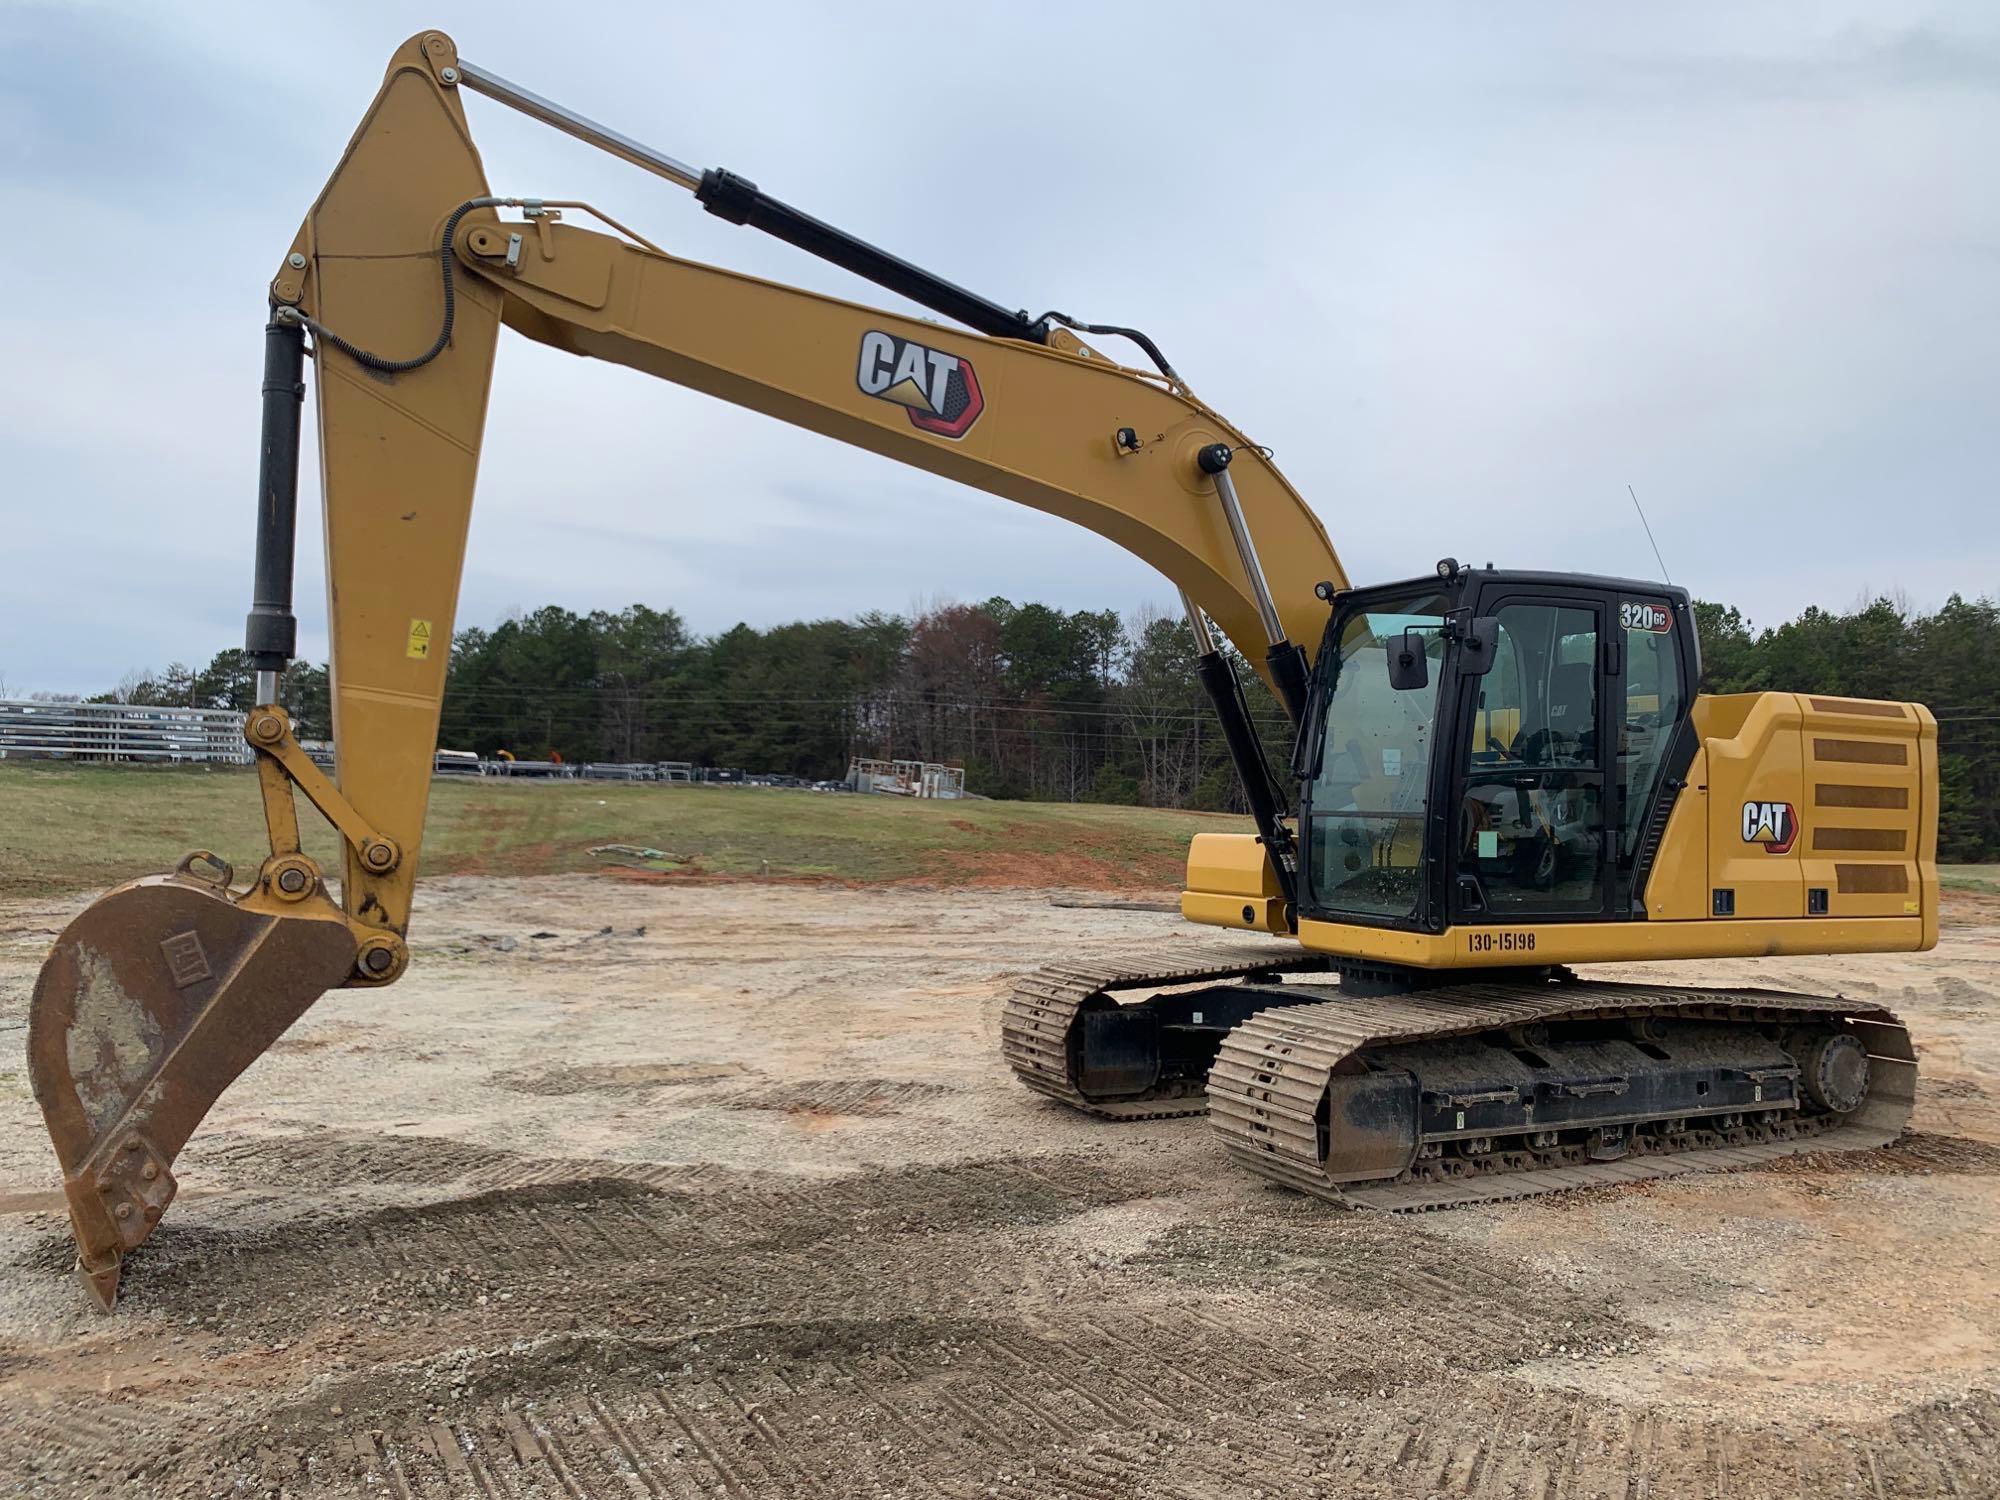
<point>1656,618</point>
<point>1489,844</point>
<point>1392,760</point>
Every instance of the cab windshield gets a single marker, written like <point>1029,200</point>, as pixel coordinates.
<point>1369,794</point>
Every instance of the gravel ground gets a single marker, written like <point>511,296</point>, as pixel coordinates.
<point>695,1189</point>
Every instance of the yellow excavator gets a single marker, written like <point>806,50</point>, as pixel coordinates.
<point>1503,774</point>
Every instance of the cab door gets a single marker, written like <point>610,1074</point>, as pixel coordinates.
<point>1532,798</point>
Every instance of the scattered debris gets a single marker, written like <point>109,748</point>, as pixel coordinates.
<point>1096,904</point>
<point>640,857</point>
<point>507,943</point>
<point>638,851</point>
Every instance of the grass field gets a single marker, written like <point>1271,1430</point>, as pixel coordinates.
<point>68,828</point>
<point>65,828</point>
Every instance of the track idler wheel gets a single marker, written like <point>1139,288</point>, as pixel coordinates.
<point>1833,1068</point>
<point>149,1006</point>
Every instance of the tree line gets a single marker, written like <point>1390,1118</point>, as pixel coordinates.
<point>1044,703</point>
<point>1033,701</point>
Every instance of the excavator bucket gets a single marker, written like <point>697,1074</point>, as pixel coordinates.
<point>164,991</point>
<point>152,1002</point>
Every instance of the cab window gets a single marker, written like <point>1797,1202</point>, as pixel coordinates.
<point>1530,828</point>
<point>1654,703</point>
<point>1367,798</point>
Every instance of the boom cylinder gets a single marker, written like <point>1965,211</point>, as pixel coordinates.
<point>728,195</point>
<point>270,635</point>
<point>1286,660</point>
<point>569,122</point>
<point>1246,753</point>
<point>740,201</point>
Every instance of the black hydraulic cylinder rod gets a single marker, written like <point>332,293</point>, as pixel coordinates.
<point>1218,679</point>
<point>1287,661</point>
<point>271,633</point>
<point>740,201</point>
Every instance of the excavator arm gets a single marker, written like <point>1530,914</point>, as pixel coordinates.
<point>401,276</point>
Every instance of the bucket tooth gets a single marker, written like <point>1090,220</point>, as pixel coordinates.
<point>101,1281</point>
<point>150,1004</point>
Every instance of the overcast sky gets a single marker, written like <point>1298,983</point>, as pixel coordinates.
<point>1468,270</point>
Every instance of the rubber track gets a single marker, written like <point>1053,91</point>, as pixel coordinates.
<point>1272,1072</point>
<point>1034,1026</point>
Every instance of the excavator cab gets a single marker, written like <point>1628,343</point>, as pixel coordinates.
<point>1490,748</point>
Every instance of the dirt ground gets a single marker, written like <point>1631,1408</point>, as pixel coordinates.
<point>736,1199</point>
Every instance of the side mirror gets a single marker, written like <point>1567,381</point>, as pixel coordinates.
<point>1409,668</point>
<point>1482,644</point>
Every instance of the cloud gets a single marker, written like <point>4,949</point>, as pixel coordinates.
<point>1856,60</point>
<point>1468,271</point>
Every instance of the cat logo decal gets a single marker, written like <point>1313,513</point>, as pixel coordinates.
<point>937,389</point>
<point>1775,825</point>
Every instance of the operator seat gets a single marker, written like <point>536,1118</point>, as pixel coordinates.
<point>1568,734</point>
<point>1572,711</point>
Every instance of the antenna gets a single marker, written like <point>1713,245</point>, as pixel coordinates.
<point>1664,574</point>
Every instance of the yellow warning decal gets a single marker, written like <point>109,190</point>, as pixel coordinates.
<point>1912,907</point>
<point>420,640</point>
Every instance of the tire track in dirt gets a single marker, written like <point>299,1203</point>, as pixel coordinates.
<point>586,1224</point>
<point>903,1429</point>
<point>943,1366</point>
<point>612,1077</point>
<point>448,1167</point>
<point>1411,1296</point>
<point>1281,1354</point>
<point>841,1096</point>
